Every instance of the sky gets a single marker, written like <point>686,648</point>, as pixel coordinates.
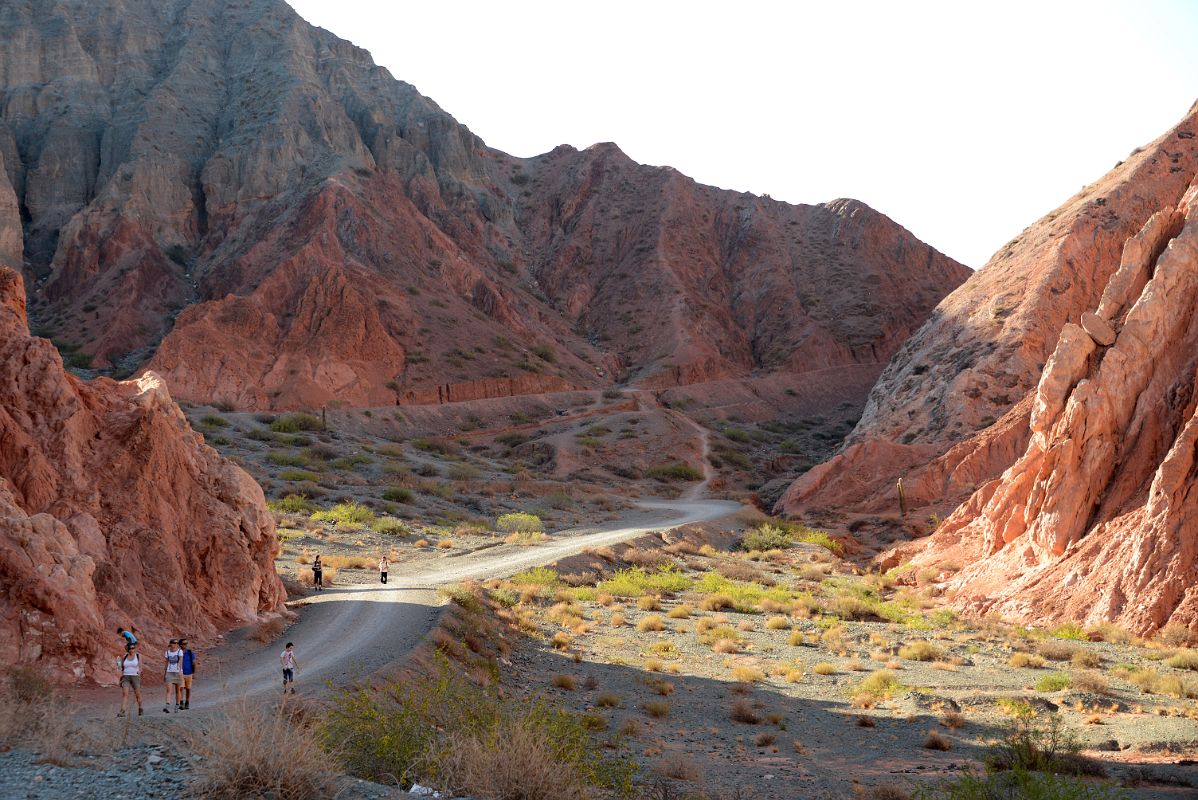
<point>963,122</point>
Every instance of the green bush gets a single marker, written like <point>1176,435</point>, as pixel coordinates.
<point>767,537</point>
<point>298,475</point>
<point>1183,659</point>
<point>1055,682</point>
<point>348,514</point>
<point>518,522</point>
<point>214,421</point>
<point>288,460</point>
<point>538,576</point>
<point>351,461</point>
<point>1017,783</point>
<point>674,471</point>
<point>445,730</point>
<point>882,683</point>
<point>398,494</point>
<point>513,439</point>
<point>745,595</point>
<point>292,504</point>
<point>544,352</point>
<point>1070,631</point>
<point>463,472</point>
<point>636,582</point>
<point>293,423</point>
<point>389,525</point>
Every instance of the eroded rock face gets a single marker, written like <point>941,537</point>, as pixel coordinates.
<point>113,512</point>
<point>1098,518</point>
<point>955,393</point>
<point>283,224</point>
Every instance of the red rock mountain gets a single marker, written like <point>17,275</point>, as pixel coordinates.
<point>113,512</point>
<point>1053,397</point>
<point>269,218</point>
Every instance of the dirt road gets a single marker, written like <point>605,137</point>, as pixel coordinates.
<point>352,630</point>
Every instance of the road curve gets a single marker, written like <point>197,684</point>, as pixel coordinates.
<point>352,630</point>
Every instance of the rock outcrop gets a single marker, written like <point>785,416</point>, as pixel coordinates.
<point>113,512</point>
<point>950,410</point>
<point>279,223</point>
<point>1080,501</point>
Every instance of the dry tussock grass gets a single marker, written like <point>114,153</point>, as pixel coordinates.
<point>32,714</point>
<point>678,767</point>
<point>348,562</point>
<point>254,752</point>
<point>935,741</point>
<point>525,766</point>
<point>268,630</point>
<point>566,682</point>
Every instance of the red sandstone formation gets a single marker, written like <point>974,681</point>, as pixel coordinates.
<point>112,511</point>
<point>281,224</point>
<point>949,411</point>
<point>1081,501</point>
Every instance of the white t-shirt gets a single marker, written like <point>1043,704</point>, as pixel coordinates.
<point>174,661</point>
<point>288,659</point>
<point>129,665</point>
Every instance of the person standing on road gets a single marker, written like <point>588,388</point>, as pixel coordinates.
<point>130,666</point>
<point>290,665</point>
<point>174,676</point>
<point>189,671</point>
<point>384,564</point>
<point>318,574</point>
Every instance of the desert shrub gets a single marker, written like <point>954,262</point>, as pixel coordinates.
<point>350,461</point>
<point>1057,651</point>
<point>777,623</point>
<point>635,582</point>
<point>1029,660</point>
<point>682,611</point>
<point>747,674</point>
<point>537,576</point>
<point>745,596</point>
<point>767,537</point>
<point>292,504</point>
<point>298,475</point>
<point>348,514</point>
<point>1055,682</point>
<point>936,741</point>
<point>32,713</point>
<point>657,709</point>
<point>1089,681</point>
<point>608,700</point>
<point>742,711</point>
<point>824,668</point>
<point>349,562</point>
<point>518,522</point>
<point>1086,658</point>
<point>1071,631</point>
<point>812,536</point>
<point>1175,634</point>
<point>1183,659</point>
<point>674,471</point>
<point>463,472</point>
<point>653,622</point>
<point>293,423</point>
<point>214,421</point>
<point>468,740</point>
<point>253,752</point>
<point>1017,783</point>
<point>567,682</point>
<point>389,525</point>
<point>288,460</point>
<point>882,683</point>
<point>1037,743</point>
<point>920,651</point>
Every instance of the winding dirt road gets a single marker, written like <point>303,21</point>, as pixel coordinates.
<point>352,630</point>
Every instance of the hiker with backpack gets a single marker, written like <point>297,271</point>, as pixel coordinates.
<point>189,671</point>
<point>130,666</point>
<point>174,676</point>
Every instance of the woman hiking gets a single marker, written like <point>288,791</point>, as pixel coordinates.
<point>384,564</point>
<point>318,574</point>
<point>174,676</point>
<point>130,666</point>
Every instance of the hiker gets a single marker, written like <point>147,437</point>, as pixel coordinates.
<point>130,666</point>
<point>290,665</point>
<point>189,671</point>
<point>383,565</point>
<point>174,676</point>
<point>129,636</point>
<point>318,574</point>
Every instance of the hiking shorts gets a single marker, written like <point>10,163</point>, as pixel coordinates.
<point>187,681</point>
<point>132,681</point>
<point>288,676</point>
<point>175,678</point>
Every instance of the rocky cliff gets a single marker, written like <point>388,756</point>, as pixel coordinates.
<point>278,222</point>
<point>112,511</point>
<point>1060,412</point>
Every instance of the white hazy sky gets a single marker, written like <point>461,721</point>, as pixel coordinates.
<point>963,123</point>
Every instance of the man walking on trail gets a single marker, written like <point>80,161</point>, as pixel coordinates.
<point>290,665</point>
<point>189,671</point>
<point>130,666</point>
<point>318,574</point>
<point>174,676</point>
<point>383,565</point>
